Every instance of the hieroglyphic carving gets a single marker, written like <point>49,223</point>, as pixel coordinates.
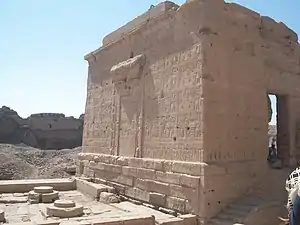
<point>178,89</point>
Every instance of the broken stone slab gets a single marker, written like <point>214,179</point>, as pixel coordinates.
<point>64,204</point>
<point>12,199</point>
<point>108,198</point>
<point>33,195</point>
<point>43,189</point>
<point>92,189</point>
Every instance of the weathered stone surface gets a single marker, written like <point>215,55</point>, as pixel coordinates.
<point>189,219</point>
<point>108,198</point>
<point>33,197</point>
<point>167,125</point>
<point>50,197</point>
<point>92,189</point>
<point>21,186</point>
<point>48,222</point>
<point>2,216</point>
<point>64,203</point>
<point>43,131</point>
<point>176,203</point>
<point>43,189</point>
<point>157,199</point>
<point>64,212</point>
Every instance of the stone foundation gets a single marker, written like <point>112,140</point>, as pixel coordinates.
<point>185,187</point>
<point>163,183</point>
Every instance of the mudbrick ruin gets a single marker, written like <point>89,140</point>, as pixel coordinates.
<point>42,130</point>
<point>175,126</point>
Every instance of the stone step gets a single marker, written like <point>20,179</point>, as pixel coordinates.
<point>22,186</point>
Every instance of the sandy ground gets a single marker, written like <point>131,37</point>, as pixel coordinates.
<point>23,162</point>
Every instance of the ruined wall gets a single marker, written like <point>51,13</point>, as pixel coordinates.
<point>172,95</point>
<point>247,57</point>
<point>197,115</point>
<point>164,104</point>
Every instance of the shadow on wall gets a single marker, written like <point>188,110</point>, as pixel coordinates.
<point>43,131</point>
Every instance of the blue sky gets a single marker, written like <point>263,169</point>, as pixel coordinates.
<point>42,44</point>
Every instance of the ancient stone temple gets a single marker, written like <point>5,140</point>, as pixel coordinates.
<point>176,111</point>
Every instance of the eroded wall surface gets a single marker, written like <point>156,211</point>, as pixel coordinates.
<point>193,119</point>
<point>153,112</point>
<point>247,57</point>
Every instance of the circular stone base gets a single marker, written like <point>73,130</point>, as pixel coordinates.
<point>65,212</point>
<point>2,217</point>
<point>64,204</point>
<point>49,197</point>
<point>43,189</point>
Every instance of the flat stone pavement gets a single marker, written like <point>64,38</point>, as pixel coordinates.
<point>17,211</point>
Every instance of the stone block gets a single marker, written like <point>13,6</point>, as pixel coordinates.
<point>123,161</point>
<point>108,198</point>
<point>126,180</point>
<point>141,183</point>
<point>167,165</point>
<point>137,193</point>
<point>177,204</point>
<point>139,221</point>
<point>105,167</point>
<point>136,162</point>
<point>172,221</point>
<point>157,186</point>
<point>189,219</point>
<point>182,192</point>
<point>154,164</point>
<point>189,181</point>
<point>120,189</point>
<point>146,173</point>
<point>92,189</point>
<point>129,69</point>
<point>168,177</point>
<point>129,171</point>
<point>190,168</point>
<point>33,196</point>
<point>157,199</point>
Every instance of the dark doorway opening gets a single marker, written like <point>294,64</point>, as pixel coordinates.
<point>278,132</point>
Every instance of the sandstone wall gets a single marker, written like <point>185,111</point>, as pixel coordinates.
<point>247,57</point>
<point>172,95</point>
<point>157,117</point>
<point>200,100</point>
